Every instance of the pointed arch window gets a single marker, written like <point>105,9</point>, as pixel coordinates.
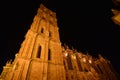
<point>49,54</point>
<point>70,67</point>
<point>39,52</point>
<point>42,30</point>
<point>79,64</point>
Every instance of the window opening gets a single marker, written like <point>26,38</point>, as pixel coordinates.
<point>39,52</point>
<point>49,54</point>
<point>70,67</point>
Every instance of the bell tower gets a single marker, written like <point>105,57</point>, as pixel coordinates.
<point>40,56</point>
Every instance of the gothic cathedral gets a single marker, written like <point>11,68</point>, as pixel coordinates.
<point>41,56</point>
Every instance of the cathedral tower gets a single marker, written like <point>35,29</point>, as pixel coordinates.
<point>40,55</point>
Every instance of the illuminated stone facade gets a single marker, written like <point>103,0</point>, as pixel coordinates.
<point>79,66</point>
<point>41,56</point>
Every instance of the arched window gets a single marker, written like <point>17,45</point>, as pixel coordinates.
<point>79,63</point>
<point>70,67</point>
<point>100,69</point>
<point>50,34</point>
<point>42,30</point>
<point>49,54</point>
<point>39,52</point>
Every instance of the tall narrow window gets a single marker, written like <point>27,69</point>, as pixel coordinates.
<point>70,67</point>
<point>42,30</point>
<point>49,54</point>
<point>49,34</point>
<point>79,64</point>
<point>99,69</point>
<point>39,52</point>
<point>64,65</point>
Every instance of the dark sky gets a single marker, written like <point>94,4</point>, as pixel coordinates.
<point>85,25</point>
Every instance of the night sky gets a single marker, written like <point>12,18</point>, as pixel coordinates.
<point>85,25</point>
